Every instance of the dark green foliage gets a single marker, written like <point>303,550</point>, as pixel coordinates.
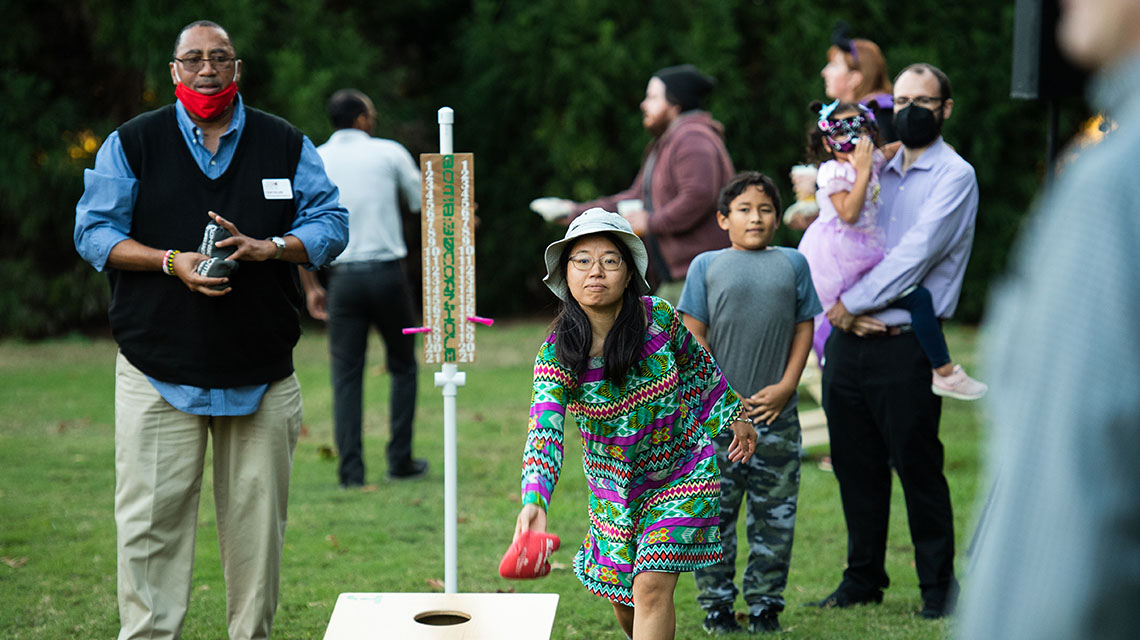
<point>546,95</point>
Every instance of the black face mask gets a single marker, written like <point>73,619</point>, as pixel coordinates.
<point>917,126</point>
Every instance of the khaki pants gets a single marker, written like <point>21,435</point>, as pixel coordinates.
<point>159,456</point>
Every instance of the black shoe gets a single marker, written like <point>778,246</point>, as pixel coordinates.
<point>939,602</point>
<point>721,620</point>
<point>933,611</point>
<point>936,607</point>
<point>764,622</point>
<point>844,597</point>
<point>409,470</point>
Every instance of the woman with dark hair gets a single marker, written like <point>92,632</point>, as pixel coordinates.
<point>647,400</point>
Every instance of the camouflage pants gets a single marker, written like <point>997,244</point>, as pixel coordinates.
<point>769,482</point>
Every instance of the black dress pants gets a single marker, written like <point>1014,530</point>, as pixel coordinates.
<point>881,414</point>
<point>362,295</point>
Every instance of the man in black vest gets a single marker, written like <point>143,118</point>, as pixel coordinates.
<point>205,347</point>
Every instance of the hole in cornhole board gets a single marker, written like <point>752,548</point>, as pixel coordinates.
<point>441,618</point>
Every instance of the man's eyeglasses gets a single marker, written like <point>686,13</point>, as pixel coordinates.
<point>926,102</point>
<point>193,64</point>
<point>585,263</point>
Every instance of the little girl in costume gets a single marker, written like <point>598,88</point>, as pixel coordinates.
<point>845,242</point>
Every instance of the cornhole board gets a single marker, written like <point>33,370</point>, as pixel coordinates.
<point>443,616</point>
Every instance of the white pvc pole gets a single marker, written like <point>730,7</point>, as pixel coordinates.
<point>450,378</point>
<point>446,126</point>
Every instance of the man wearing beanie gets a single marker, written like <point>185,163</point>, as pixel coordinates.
<point>674,193</point>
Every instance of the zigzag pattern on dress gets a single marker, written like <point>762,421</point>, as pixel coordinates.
<point>553,373</point>
<point>542,463</point>
<point>610,530</point>
<point>683,491</point>
<point>633,399</point>
<point>662,458</point>
<point>617,588</point>
<point>667,557</point>
<point>607,468</point>
<point>613,592</point>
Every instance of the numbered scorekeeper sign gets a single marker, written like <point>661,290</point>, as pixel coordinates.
<point>447,222</point>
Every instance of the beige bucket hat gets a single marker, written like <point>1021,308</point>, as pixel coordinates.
<point>596,220</point>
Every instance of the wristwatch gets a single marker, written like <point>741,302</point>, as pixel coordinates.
<point>280,242</point>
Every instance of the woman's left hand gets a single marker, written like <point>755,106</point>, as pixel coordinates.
<point>743,441</point>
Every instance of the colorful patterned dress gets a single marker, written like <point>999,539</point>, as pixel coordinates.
<point>649,459</point>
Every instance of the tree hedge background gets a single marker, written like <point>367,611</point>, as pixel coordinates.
<point>546,95</point>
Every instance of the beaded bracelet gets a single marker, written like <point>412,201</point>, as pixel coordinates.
<point>168,261</point>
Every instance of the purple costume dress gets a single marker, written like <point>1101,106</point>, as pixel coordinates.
<point>840,253</point>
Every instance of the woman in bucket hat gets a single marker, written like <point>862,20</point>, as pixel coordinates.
<point>647,399</point>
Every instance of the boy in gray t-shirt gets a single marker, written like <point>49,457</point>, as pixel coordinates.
<point>752,305</point>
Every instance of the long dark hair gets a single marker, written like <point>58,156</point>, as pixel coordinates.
<point>624,340</point>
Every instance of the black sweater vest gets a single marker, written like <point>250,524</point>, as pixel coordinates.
<point>176,335</point>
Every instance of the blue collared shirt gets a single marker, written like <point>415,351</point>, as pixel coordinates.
<point>927,216</point>
<point>103,220</point>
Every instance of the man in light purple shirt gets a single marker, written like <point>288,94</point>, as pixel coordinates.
<point>881,413</point>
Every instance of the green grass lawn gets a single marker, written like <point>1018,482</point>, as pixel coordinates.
<point>57,533</point>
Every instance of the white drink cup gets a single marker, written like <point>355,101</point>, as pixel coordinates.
<point>629,206</point>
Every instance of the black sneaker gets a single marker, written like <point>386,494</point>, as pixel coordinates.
<point>764,622</point>
<point>214,234</point>
<point>409,470</point>
<point>721,620</point>
<point>844,597</point>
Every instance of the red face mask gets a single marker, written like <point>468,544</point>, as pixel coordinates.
<point>204,106</point>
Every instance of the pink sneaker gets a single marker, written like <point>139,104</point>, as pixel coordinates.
<point>957,385</point>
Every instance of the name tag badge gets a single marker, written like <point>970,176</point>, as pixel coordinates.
<point>277,189</point>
